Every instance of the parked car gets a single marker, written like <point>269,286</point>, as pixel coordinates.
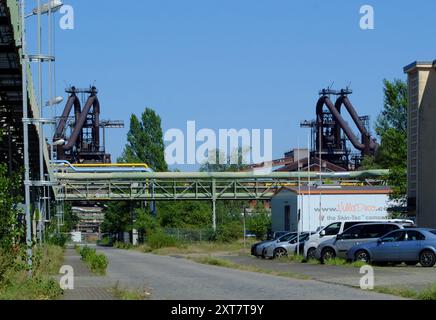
<point>358,234</point>
<point>257,248</point>
<point>286,247</point>
<point>333,229</point>
<point>275,235</point>
<point>411,246</point>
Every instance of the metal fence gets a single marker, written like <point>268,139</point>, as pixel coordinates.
<point>191,235</point>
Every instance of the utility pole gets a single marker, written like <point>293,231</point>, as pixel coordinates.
<point>27,183</point>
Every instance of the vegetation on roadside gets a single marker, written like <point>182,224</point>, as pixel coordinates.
<point>214,261</point>
<point>426,294</point>
<point>131,295</point>
<point>15,284</point>
<point>97,263</point>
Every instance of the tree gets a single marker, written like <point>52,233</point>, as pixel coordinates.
<point>144,145</point>
<point>10,197</point>
<point>145,142</point>
<point>391,126</point>
<point>259,222</point>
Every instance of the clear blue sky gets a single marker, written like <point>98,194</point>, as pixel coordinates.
<point>238,63</point>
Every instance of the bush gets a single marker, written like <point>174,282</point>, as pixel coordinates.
<point>159,240</point>
<point>96,262</point>
<point>259,223</point>
<point>229,232</point>
<point>106,242</point>
<point>122,245</point>
<point>58,239</point>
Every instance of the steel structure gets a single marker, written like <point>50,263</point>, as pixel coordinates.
<point>331,132</point>
<point>151,186</point>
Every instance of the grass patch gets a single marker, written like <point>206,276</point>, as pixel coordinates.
<point>97,263</point>
<point>426,294</point>
<point>122,245</point>
<point>214,261</point>
<point>236,247</point>
<point>336,262</point>
<point>130,295</point>
<point>15,283</point>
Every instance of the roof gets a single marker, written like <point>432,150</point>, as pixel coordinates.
<point>423,64</point>
<point>331,190</point>
<point>314,161</point>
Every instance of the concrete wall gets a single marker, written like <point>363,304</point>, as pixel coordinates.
<point>422,141</point>
<point>278,204</point>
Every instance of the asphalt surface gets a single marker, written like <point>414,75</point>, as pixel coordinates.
<point>171,278</point>
<point>416,278</point>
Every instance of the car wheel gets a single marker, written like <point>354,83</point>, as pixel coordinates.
<point>264,253</point>
<point>427,259</point>
<point>362,256</point>
<point>328,254</point>
<point>280,253</point>
<point>311,253</point>
<point>411,263</point>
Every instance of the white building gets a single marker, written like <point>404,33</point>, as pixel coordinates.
<point>322,206</point>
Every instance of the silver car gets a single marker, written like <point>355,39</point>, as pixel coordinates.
<point>259,249</point>
<point>356,235</point>
<point>284,248</point>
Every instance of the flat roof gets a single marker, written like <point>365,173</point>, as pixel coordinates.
<point>425,64</point>
<point>304,190</point>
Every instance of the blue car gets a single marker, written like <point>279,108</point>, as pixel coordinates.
<point>411,246</point>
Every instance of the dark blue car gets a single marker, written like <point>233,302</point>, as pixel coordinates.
<point>411,246</point>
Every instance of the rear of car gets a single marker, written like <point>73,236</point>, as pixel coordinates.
<point>257,249</point>
<point>284,248</point>
<point>356,235</point>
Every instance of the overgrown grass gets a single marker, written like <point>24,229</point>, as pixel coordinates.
<point>427,294</point>
<point>97,263</point>
<point>344,263</point>
<point>130,295</point>
<point>122,245</point>
<point>236,247</point>
<point>214,261</point>
<point>15,283</point>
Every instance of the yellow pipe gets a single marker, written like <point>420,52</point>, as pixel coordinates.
<point>113,165</point>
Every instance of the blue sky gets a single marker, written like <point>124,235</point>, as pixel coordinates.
<point>238,63</point>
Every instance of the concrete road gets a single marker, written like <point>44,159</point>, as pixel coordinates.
<point>170,278</point>
<point>415,278</point>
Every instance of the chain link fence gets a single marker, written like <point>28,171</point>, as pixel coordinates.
<point>190,235</point>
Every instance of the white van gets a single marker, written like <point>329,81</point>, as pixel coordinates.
<point>332,230</point>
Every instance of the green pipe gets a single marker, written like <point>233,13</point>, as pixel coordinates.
<point>217,175</point>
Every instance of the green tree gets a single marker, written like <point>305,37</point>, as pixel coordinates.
<point>10,197</point>
<point>391,127</point>
<point>185,214</point>
<point>145,142</point>
<point>259,222</point>
<point>144,145</point>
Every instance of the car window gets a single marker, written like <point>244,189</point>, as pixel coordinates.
<point>395,236</point>
<point>372,231</point>
<point>389,228</point>
<point>413,235</point>
<point>352,233</point>
<point>348,225</point>
<point>333,229</point>
<point>287,237</point>
<point>433,231</point>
